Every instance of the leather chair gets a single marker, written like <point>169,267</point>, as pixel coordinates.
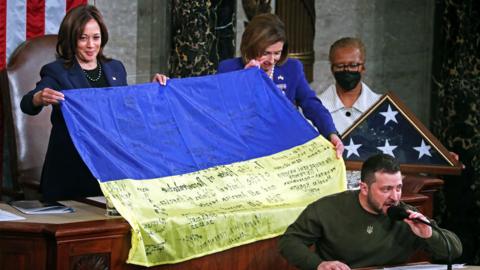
<point>27,136</point>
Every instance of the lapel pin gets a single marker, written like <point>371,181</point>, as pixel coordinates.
<point>280,77</point>
<point>114,78</point>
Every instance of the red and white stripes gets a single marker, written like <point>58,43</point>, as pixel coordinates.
<point>21,20</point>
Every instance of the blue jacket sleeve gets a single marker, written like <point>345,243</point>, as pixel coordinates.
<point>312,107</point>
<point>47,75</point>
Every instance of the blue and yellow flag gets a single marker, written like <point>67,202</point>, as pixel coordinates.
<point>202,164</point>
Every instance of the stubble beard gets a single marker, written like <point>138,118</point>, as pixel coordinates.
<point>375,206</point>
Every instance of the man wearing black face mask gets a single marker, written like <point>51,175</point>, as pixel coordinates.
<point>349,97</point>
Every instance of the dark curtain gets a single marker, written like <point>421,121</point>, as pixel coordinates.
<point>456,116</point>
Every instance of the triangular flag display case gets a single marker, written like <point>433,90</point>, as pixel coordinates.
<point>390,127</point>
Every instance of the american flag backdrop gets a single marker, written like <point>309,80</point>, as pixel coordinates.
<point>389,128</point>
<point>25,19</point>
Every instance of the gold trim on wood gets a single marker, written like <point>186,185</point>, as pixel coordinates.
<point>307,57</point>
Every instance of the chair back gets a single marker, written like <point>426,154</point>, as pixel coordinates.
<point>27,135</point>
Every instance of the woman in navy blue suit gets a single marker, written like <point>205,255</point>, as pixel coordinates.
<point>264,46</point>
<point>80,64</point>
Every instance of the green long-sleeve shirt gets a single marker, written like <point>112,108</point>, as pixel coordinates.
<point>342,230</point>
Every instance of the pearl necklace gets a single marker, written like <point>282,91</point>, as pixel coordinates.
<point>98,75</point>
<point>271,73</point>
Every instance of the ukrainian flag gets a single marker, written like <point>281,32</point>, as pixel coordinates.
<point>203,164</point>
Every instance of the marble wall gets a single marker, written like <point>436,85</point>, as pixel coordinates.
<point>138,35</point>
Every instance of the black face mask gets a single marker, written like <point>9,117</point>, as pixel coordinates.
<point>347,79</point>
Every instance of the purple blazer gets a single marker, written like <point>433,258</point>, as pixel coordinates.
<point>290,78</point>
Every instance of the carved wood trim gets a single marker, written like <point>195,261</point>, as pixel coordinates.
<point>99,261</point>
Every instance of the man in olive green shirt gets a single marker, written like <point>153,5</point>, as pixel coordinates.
<point>351,229</point>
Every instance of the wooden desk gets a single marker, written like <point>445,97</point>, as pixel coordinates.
<point>87,239</point>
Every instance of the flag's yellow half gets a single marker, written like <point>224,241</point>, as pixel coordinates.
<point>185,216</point>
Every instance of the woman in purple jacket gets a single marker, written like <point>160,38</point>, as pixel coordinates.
<point>264,46</point>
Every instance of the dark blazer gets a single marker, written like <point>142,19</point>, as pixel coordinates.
<point>290,78</point>
<point>64,174</point>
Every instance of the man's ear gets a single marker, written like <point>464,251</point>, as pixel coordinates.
<point>363,188</point>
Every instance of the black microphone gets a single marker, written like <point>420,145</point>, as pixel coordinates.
<point>396,213</point>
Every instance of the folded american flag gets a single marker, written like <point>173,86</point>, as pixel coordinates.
<point>390,128</point>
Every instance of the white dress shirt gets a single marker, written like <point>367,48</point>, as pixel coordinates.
<point>344,117</point>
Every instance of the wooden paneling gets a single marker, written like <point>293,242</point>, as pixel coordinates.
<point>22,252</point>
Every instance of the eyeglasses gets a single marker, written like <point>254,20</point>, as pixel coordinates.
<point>347,67</point>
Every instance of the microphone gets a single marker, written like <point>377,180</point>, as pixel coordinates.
<point>397,213</point>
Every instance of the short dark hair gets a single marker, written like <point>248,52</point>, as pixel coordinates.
<point>378,163</point>
<point>71,29</point>
<point>262,31</point>
<point>346,42</point>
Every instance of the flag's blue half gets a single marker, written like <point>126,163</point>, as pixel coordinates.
<point>386,129</point>
<point>150,131</point>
